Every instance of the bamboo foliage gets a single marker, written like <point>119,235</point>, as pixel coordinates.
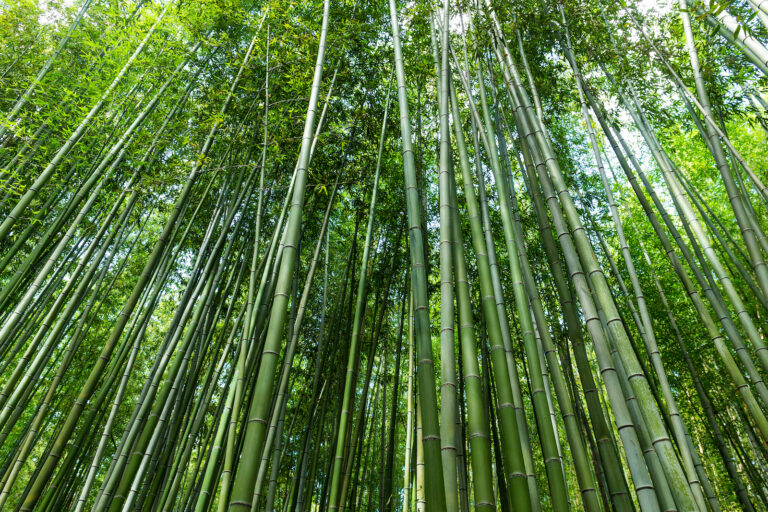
<point>546,290</point>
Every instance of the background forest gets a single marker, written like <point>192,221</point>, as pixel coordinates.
<point>378,256</point>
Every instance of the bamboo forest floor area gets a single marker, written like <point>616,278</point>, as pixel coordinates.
<point>378,255</point>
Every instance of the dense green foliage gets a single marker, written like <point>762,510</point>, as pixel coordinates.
<point>354,255</point>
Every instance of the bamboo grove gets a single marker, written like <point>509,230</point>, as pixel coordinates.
<point>355,255</point>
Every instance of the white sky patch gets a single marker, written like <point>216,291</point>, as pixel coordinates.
<point>50,15</point>
<point>657,7</point>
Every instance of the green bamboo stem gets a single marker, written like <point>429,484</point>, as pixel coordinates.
<point>434,482</point>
